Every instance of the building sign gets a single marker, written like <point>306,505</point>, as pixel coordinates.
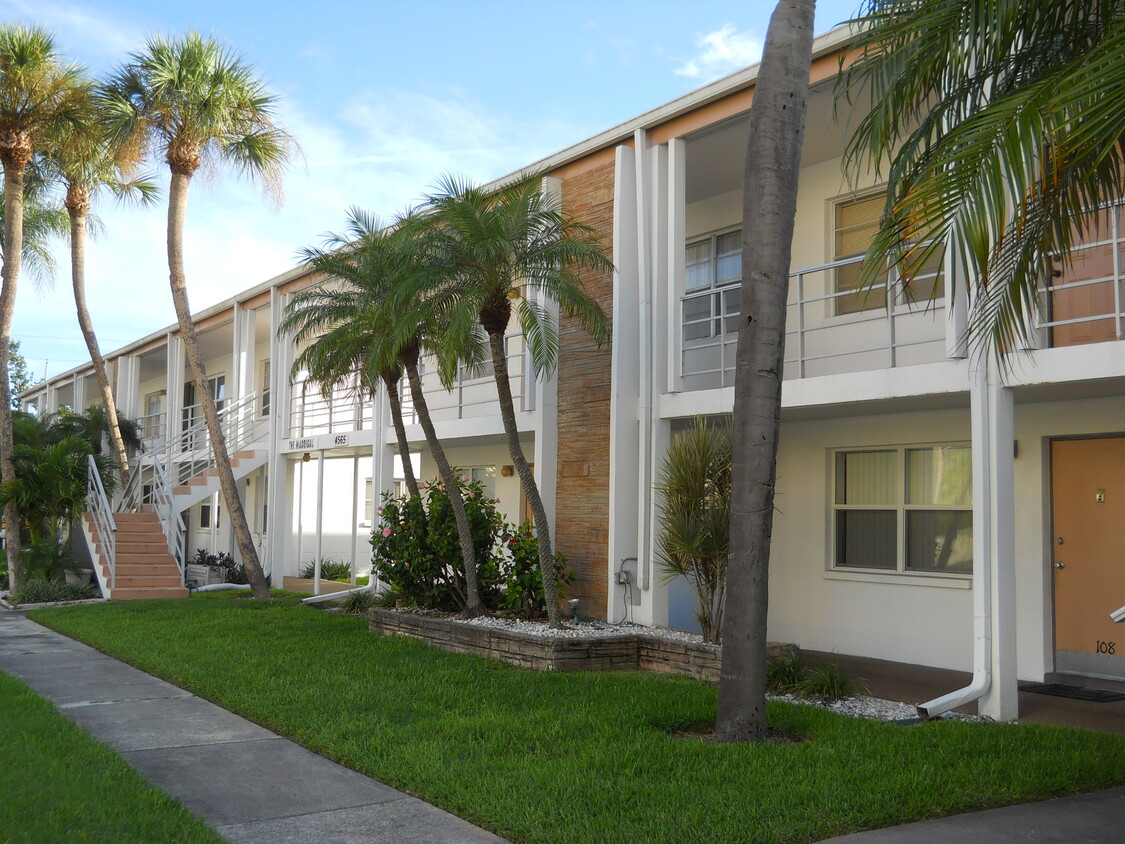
<point>340,439</point>
<point>303,444</point>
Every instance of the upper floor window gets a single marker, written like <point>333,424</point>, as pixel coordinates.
<point>855,224</point>
<point>904,509</point>
<point>712,277</point>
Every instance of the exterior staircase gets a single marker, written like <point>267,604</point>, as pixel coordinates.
<point>137,544</point>
<point>206,483</point>
<point>145,568</point>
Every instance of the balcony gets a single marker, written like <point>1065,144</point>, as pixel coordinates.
<point>472,396</point>
<point>831,328</point>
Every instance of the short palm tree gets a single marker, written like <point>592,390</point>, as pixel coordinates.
<point>38,92</point>
<point>192,103</point>
<point>51,456</point>
<point>492,249</point>
<point>366,327</point>
<point>998,128</point>
<point>86,164</point>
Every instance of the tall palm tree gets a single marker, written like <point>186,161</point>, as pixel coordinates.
<point>372,319</point>
<point>193,103</point>
<point>997,127</point>
<point>38,92</point>
<point>769,196</point>
<point>491,246</point>
<point>86,164</point>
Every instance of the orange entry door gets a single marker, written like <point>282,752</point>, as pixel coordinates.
<point>1088,555</point>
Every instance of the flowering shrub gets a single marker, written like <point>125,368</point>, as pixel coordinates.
<point>417,552</point>
<point>523,580</point>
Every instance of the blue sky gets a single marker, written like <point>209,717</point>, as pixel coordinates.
<point>383,97</point>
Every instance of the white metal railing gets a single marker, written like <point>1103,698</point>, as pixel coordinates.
<point>152,428</point>
<point>347,409</point>
<point>828,330</point>
<point>472,396</point>
<point>105,527</point>
<point>189,453</point>
<point>1082,302</point>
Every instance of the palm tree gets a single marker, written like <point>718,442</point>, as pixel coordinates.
<point>86,164</point>
<point>998,128</point>
<point>371,321</point>
<point>38,92</point>
<point>193,103</point>
<point>769,195</point>
<point>491,246</point>
<point>50,483</point>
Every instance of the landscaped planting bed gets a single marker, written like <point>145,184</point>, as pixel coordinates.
<point>581,647</point>
<point>583,756</point>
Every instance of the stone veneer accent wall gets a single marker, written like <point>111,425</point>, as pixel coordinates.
<point>627,651</point>
<point>582,494</point>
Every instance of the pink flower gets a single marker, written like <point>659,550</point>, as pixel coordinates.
<point>465,478</point>
<point>386,531</point>
<point>472,495</point>
<point>495,500</point>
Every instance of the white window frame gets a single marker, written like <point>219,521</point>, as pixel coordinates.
<point>900,507</point>
<point>875,303</point>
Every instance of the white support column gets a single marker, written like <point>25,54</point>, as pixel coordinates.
<point>676,245</point>
<point>242,360</point>
<point>355,516</point>
<point>624,398</point>
<point>319,520</point>
<point>956,310</point>
<point>660,352</point>
<point>280,478</point>
<point>174,378</point>
<point>79,394</point>
<point>993,430</point>
<point>128,387</point>
<point>544,393</point>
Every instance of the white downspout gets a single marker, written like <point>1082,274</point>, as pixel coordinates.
<point>981,411</point>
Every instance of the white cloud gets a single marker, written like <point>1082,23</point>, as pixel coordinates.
<point>102,38</point>
<point>721,52</point>
<point>381,151</point>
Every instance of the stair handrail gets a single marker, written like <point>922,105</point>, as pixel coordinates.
<point>239,427</point>
<point>175,532</point>
<point>101,511</point>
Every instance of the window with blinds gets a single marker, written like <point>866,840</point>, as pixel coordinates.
<point>922,494</point>
<point>855,224</point>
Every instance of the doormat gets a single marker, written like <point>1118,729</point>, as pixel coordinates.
<point>1073,692</point>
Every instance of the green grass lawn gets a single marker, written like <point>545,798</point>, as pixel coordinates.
<point>576,757</point>
<point>58,784</point>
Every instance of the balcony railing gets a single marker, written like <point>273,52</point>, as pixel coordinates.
<point>830,328</point>
<point>346,410</point>
<point>1084,301</point>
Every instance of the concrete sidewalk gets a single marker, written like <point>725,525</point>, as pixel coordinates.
<point>246,782</point>
<point>1082,819</point>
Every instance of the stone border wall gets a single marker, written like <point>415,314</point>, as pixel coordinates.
<point>628,651</point>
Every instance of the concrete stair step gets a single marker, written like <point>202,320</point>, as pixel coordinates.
<point>145,547</point>
<point>128,581</point>
<point>166,566</point>
<point>149,560</point>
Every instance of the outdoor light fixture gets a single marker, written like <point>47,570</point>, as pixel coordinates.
<point>573,602</point>
<point>306,457</point>
<point>507,471</point>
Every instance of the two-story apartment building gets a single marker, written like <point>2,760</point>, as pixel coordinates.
<point>930,509</point>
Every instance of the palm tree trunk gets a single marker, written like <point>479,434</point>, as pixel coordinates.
<point>177,205</point>
<point>390,381</point>
<point>473,605</point>
<point>773,159</point>
<point>77,208</point>
<point>527,479</point>
<point>13,243</point>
